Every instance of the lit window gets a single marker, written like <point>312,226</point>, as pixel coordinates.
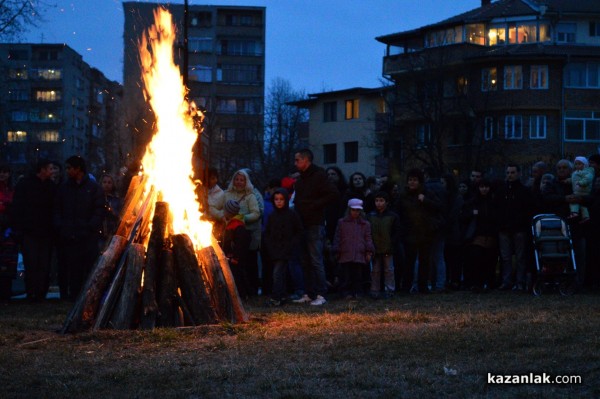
<point>489,79</point>
<point>352,109</point>
<point>48,136</point>
<point>513,77</point>
<point>539,77</point>
<point>16,136</point>
<point>47,95</point>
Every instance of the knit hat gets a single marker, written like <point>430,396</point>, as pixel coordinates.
<point>583,160</point>
<point>232,207</point>
<point>355,203</point>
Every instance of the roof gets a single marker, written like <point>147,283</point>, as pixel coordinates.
<point>506,9</point>
<point>336,93</point>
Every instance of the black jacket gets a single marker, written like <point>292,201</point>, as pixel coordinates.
<point>79,209</point>
<point>313,193</point>
<point>282,231</point>
<point>516,205</point>
<point>33,204</point>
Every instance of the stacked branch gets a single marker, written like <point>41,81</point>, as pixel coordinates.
<point>145,279</point>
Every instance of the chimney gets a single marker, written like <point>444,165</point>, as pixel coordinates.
<point>485,3</point>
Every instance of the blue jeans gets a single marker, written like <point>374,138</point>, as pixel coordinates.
<point>312,261</point>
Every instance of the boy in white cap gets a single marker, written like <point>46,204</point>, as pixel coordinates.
<point>581,179</point>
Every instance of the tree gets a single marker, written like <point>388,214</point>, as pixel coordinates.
<point>16,16</point>
<point>282,128</point>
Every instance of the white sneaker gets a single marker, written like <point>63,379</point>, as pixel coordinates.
<point>319,301</point>
<point>305,299</point>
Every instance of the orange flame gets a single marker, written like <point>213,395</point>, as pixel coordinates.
<point>168,157</point>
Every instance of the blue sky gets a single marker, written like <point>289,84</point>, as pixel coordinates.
<point>317,45</point>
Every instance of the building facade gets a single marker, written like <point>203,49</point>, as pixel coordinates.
<point>225,61</point>
<point>344,127</point>
<point>511,81</point>
<point>54,105</point>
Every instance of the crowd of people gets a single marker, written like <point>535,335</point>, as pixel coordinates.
<point>59,224</point>
<point>324,235</point>
<point>314,235</point>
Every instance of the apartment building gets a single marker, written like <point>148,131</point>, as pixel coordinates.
<point>225,61</point>
<point>510,81</point>
<point>346,129</point>
<point>54,105</point>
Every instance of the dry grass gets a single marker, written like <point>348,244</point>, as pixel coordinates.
<point>406,347</point>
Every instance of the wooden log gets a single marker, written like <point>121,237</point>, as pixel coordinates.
<point>84,311</point>
<point>168,304</point>
<point>132,200</point>
<point>219,294</point>
<point>155,247</point>
<point>240,314</point>
<point>124,313</point>
<point>191,283</point>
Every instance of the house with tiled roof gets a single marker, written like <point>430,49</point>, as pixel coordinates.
<point>511,81</point>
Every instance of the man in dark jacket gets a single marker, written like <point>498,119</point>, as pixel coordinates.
<point>515,204</point>
<point>33,202</point>
<point>313,193</point>
<point>78,213</point>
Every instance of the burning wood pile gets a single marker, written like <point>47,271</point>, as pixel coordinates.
<point>163,267</point>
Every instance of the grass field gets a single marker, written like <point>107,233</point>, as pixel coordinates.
<point>434,346</point>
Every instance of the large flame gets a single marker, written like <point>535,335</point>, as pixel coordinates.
<point>168,157</point>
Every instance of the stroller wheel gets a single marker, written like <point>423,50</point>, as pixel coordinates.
<point>538,287</point>
<point>567,287</point>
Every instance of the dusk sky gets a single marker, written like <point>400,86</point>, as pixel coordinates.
<point>317,45</point>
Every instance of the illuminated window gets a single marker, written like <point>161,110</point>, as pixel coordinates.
<point>18,73</point>
<point>50,136</point>
<point>47,95</point>
<point>352,109</point>
<point>475,33</point>
<point>513,77</point>
<point>47,74</point>
<point>497,35</point>
<point>538,78</point>
<point>16,136</point>
<point>489,79</point>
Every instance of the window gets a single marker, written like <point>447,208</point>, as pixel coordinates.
<point>18,95</point>
<point>240,47</point>
<point>50,136</point>
<point>582,126</point>
<point>594,28</point>
<point>526,33</point>
<point>200,73</point>
<point>43,116</point>
<point>330,153</point>
<point>201,19</point>
<point>462,85</point>
<point>497,35</point>
<point>538,79</point>
<point>47,95</point>
<point>237,73</point>
<point>489,79</point>
<point>18,55</point>
<point>47,74</point>
<point>352,109</point>
<point>584,75</point>
<point>18,116</point>
<point>537,127</point>
<point>16,136</point>
<point>200,44</point>
<point>488,128</point>
<point>423,136</point>
<point>46,55</point>
<point>17,73</point>
<point>239,20</point>
<point>225,135</point>
<point>351,152</point>
<point>226,105</point>
<point>513,77</point>
<point>513,127</point>
<point>330,111</point>
<point>475,33</point>
<point>565,32</point>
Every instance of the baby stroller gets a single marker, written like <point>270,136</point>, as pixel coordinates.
<point>554,255</point>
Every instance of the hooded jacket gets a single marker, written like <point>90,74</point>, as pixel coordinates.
<point>283,230</point>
